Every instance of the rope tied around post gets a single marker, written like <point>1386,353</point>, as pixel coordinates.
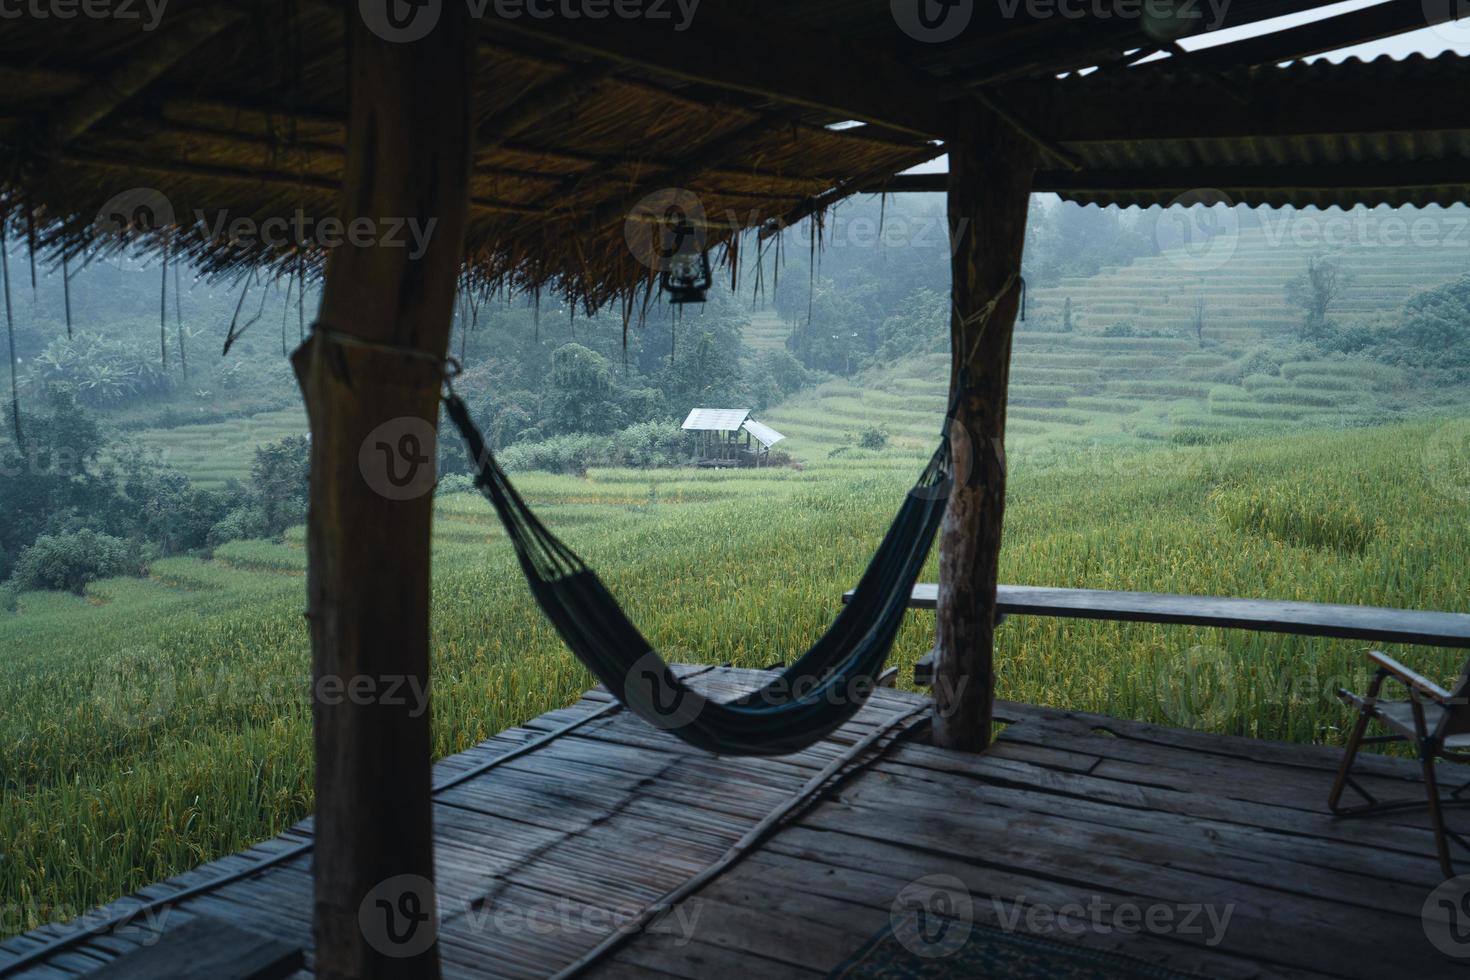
<point>984,313</point>
<point>446,368</point>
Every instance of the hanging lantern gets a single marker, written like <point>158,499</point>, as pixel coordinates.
<point>686,275</point>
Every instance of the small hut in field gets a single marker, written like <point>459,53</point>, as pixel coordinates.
<point>728,437</point>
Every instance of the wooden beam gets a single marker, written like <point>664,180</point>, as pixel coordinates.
<point>207,171</point>
<point>936,183</point>
<point>160,53</point>
<point>371,378</point>
<point>842,191</point>
<point>991,167</point>
<point>714,48</point>
<point>1027,131</point>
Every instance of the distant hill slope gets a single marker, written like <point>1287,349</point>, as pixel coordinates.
<point>766,332</point>
<point>1248,375</point>
<point>1243,282</point>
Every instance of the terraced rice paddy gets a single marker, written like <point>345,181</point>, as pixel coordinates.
<point>215,453</point>
<point>1241,277</point>
<point>156,723</point>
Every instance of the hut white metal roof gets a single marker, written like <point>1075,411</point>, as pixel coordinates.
<point>764,434</point>
<point>716,419</point>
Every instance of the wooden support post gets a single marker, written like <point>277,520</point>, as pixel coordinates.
<point>991,168</point>
<point>373,411</point>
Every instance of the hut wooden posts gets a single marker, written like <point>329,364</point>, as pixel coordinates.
<point>407,156</point>
<point>991,168</point>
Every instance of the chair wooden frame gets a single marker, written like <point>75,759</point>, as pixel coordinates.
<point>1434,715</point>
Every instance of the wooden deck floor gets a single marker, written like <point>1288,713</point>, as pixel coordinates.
<point>541,857</point>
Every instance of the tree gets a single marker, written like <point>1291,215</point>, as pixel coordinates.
<point>1316,288</point>
<point>1435,329</point>
<point>279,477</point>
<point>582,395</point>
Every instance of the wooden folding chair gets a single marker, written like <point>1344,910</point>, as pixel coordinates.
<point>1436,721</point>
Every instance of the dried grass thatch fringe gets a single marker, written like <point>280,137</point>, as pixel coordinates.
<point>179,325</point>
<point>163,313</point>
<point>286,312</point>
<point>10,334</point>
<point>236,328</point>
<point>66,292</point>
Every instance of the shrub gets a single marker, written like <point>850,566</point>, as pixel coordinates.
<point>650,444</point>
<point>559,454</point>
<point>70,561</point>
<point>455,483</point>
<point>646,445</point>
<point>241,523</point>
<point>9,602</point>
<point>874,438</point>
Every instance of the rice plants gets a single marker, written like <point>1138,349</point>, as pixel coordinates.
<point>154,724</point>
<point>1297,515</point>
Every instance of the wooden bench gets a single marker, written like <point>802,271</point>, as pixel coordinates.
<point>1439,629</point>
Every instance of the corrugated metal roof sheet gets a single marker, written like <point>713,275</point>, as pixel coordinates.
<point>764,434</point>
<point>1386,131</point>
<point>716,419</point>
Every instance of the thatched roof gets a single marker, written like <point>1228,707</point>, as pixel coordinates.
<point>234,110</point>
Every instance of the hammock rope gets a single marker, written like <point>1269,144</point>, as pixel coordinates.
<point>815,695</point>
<point>818,693</point>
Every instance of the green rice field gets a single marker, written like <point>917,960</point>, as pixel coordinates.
<point>156,723</point>
<point>153,724</point>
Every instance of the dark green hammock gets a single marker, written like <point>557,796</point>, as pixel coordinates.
<point>809,699</point>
